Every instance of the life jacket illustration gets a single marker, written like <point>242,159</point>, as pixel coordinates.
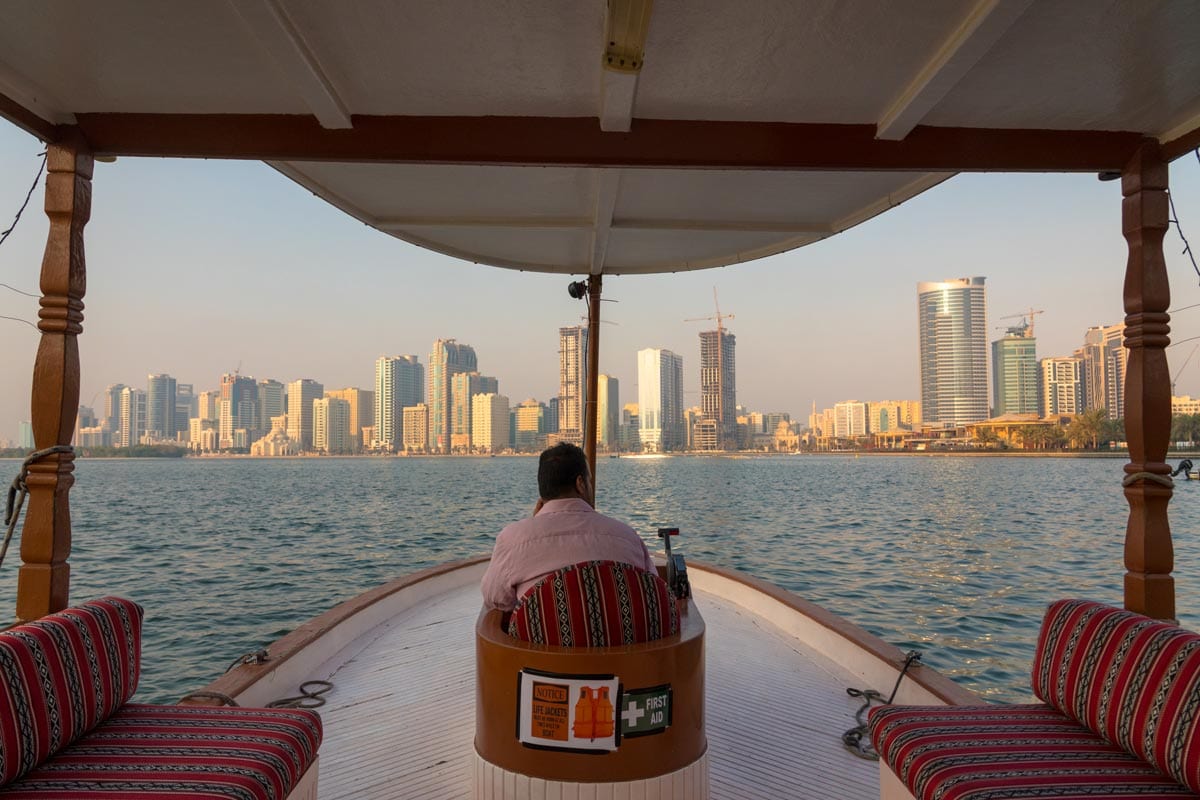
<point>584,719</point>
<point>603,714</point>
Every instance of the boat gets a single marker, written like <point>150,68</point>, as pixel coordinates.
<point>603,139</point>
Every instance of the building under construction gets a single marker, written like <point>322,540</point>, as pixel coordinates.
<point>717,428</point>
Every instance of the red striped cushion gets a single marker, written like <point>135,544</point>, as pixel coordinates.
<point>151,752</point>
<point>1133,680</point>
<point>595,604</point>
<point>62,675</point>
<point>1005,752</point>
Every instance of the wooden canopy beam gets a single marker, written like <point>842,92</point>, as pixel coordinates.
<point>578,141</point>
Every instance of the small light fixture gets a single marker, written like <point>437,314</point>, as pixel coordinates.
<point>1110,175</point>
<point>577,289</point>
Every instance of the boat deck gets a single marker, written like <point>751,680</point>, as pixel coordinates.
<point>400,724</point>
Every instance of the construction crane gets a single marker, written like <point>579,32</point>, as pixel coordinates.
<point>1180,370</point>
<point>720,318</point>
<point>1026,315</point>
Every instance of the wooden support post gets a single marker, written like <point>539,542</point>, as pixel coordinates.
<point>591,416</point>
<point>43,583</point>
<point>1149,557</point>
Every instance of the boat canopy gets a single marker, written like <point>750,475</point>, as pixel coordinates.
<point>667,136</point>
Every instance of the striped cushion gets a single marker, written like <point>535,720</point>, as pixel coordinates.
<point>62,675</point>
<point>181,752</point>
<point>1006,752</point>
<point>1133,680</point>
<point>595,604</point>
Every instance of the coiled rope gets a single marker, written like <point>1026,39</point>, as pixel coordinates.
<point>312,693</point>
<point>1162,480</point>
<point>19,490</point>
<point>856,740</point>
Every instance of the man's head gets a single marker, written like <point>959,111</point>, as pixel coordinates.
<point>563,472</point>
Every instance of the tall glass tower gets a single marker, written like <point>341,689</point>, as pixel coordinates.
<point>1015,373</point>
<point>952,322</point>
<point>447,358</point>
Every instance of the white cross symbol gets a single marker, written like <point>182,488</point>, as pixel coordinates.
<point>632,714</point>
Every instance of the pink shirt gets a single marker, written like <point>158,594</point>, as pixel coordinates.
<point>564,532</point>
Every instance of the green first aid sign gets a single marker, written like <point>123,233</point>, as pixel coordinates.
<point>645,711</point>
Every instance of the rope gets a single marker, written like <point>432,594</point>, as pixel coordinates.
<point>1162,480</point>
<point>225,699</point>
<point>856,740</point>
<point>257,657</point>
<point>19,490</point>
<point>308,698</point>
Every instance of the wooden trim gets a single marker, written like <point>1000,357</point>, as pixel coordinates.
<point>677,660</point>
<point>930,679</point>
<point>27,120</point>
<point>1149,554</point>
<point>675,144</point>
<point>237,681</point>
<point>1181,145</point>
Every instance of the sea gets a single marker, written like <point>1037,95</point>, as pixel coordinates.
<point>955,556</point>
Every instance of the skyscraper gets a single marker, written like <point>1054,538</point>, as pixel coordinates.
<point>185,409</point>
<point>489,428</point>
<point>399,383</point>
<point>301,396</point>
<point>1061,386</point>
<point>133,417</point>
<point>660,400</point>
<point>1015,372</point>
<point>530,425</point>
<point>416,429</point>
<point>608,413</point>
<point>718,385</point>
<point>362,411</point>
<point>850,419</point>
<point>952,329</point>
<point>331,426</point>
<point>272,402</point>
<point>447,358</point>
<point>463,388</point>
<point>112,410</point>
<point>160,407</point>
<point>1103,358</point>
<point>572,383</point>
<point>238,409</point>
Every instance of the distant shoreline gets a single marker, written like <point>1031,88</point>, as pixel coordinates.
<point>632,456</point>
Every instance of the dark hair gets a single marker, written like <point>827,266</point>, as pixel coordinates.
<point>558,468</point>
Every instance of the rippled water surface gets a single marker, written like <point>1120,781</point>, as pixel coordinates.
<point>956,556</point>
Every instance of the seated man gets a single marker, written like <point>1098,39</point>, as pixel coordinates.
<point>564,529</point>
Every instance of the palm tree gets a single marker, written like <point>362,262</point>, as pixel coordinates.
<point>1087,428</point>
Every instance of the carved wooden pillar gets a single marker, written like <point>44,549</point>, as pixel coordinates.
<point>1149,557</point>
<point>44,580</point>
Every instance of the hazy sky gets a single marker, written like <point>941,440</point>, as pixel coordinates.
<point>195,267</point>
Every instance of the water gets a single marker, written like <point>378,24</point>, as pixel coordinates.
<point>955,556</point>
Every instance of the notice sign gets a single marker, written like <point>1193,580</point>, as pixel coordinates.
<point>568,712</point>
<point>645,711</point>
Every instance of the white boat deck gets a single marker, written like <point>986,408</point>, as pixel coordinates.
<point>399,722</point>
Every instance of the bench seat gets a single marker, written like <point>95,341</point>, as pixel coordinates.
<point>149,751</point>
<point>1006,752</point>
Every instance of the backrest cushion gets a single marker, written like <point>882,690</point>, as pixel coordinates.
<point>595,604</point>
<point>62,675</point>
<point>1133,680</point>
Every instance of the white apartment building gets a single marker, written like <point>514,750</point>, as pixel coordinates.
<point>489,422</point>
<point>416,428</point>
<point>301,396</point>
<point>331,426</point>
<point>660,400</point>
<point>1061,389</point>
<point>850,419</point>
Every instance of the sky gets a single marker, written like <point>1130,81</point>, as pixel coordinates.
<point>200,267</point>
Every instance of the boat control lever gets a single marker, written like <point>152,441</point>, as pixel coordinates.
<point>677,578</point>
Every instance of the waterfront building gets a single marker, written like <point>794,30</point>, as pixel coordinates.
<point>369,440</point>
<point>608,413</point>
<point>447,358</point>
<point>301,396</point>
<point>112,410</point>
<point>660,400</point>
<point>203,436</point>
<point>552,415</point>
<point>631,439</point>
<point>93,436</point>
<point>276,441</point>
<point>718,386</point>
<point>133,417</point>
<point>238,407</point>
<point>272,403</point>
<point>1185,404</point>
<point>572,382</point>
<point>489,424</point>
<point>1061,386</point>
<point>1103,357</point>
<point>463,388</point>
<point>416,428</point>
<point>850,419</point>
<point>952,332</point>
<point>362,411</point>
<point>529,434</point>
<point>331,426</point>
<point>208,406</point>
<point>185,409</point>
<point>85,417</point>
<point>160,407</point>
<point>1015,372</point>
<point>25,435</point>
<point>690,417</point>
<point>399,383</point>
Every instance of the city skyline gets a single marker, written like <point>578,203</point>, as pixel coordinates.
<point>1058,248</point>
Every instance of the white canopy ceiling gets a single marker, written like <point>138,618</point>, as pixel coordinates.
<point>1053,65</point>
